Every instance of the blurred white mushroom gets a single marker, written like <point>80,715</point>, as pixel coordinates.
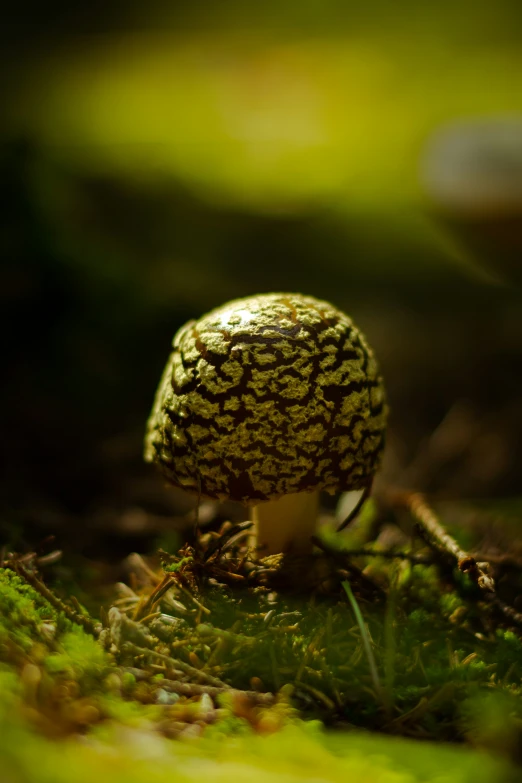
<point>471,172</point>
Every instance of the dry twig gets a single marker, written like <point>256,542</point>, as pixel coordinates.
<point>78,617</point>
<point>440,541</point>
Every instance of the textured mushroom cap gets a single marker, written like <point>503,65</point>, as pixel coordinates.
<point>265,396</point>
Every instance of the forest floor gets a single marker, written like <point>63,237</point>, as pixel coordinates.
<point>394,658</point>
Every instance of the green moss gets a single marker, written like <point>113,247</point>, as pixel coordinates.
<point>298,753</point>
<point>80,657</point>
<point>172,568</point>
<point>24,615</point>
<point>127,712</point>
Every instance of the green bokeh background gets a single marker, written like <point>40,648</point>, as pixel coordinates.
<point>157,161</point>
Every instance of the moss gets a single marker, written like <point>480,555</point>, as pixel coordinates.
<point>128,712</point>
<point>80,657</point>
<point>172,568</point>
<point>21,604</point>
<point>296,753</point>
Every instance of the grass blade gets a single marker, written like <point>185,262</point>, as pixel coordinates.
<point>366,640</point>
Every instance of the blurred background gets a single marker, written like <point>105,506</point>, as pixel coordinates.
<point>157,160</point>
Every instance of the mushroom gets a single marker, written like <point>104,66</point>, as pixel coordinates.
<point>268,400</point>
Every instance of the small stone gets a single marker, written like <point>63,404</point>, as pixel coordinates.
<point>166,698</point>
<point>191,732</point>
<point>206,706</point>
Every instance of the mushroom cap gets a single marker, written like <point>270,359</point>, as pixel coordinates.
<point>266,396</point>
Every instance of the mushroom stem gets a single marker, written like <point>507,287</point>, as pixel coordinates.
<point>286,524</point>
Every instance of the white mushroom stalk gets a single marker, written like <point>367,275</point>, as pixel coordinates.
<point>267,401</point>
<point>286,524</point>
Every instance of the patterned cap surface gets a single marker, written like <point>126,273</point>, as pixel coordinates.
<point>265,396</point>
